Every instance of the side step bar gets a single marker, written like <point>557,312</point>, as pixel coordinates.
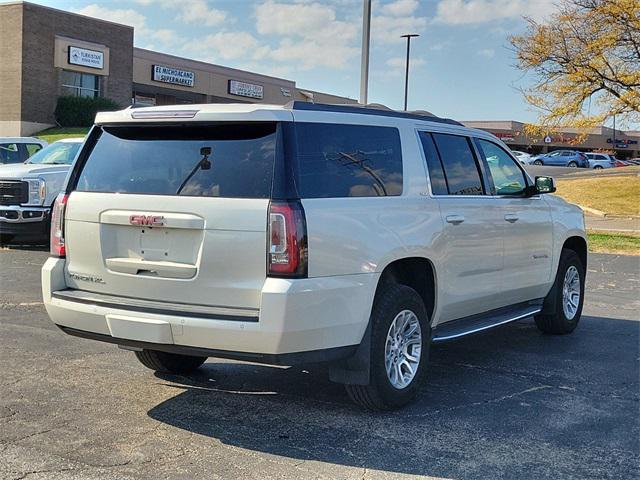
<point>478,323</point>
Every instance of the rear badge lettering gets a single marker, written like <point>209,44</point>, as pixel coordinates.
<point>86,278</point>
<point>146,220</point>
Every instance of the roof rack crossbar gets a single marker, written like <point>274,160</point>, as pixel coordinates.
<point>367,110</point>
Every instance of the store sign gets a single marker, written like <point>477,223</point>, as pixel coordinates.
<point>504,136</point>
<point>86,58</point>
<point>285,92</point>
<point>620,141</point>
<point>244,89</point>
<point>175,76</point>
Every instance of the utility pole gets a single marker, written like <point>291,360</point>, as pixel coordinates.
<point>364,62</point>
<point>408,36</point>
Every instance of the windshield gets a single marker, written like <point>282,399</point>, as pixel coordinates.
<point>59,153</point>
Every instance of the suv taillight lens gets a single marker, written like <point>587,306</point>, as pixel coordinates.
<point>287,254</point>
<point>57,226</point>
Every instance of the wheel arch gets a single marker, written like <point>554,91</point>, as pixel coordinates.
<point>415,272</point>
<point>579,245</point>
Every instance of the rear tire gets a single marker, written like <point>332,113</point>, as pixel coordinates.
<point>399,306</point>
<point>573,165</point>
<point>537,162</point>
<point>598,167</point>
<point>169,362</point>
<point>568,308</point>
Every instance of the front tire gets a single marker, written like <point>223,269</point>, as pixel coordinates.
<point>569,293</point>
<point>169,362</point>
<point>537,162</point>
<point>400,339</point>
<point>598,167</point>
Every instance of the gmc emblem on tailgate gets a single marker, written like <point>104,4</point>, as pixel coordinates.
<point>146,220</point>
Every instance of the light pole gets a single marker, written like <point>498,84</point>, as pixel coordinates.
<point>364,62</point>
<point>408,36</point>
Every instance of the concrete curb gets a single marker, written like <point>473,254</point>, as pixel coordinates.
<point>593,211</point>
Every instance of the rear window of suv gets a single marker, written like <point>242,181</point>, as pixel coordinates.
<point>338,160</point>
<point>168,160</point>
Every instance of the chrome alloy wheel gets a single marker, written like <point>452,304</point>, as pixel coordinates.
<point>571,292</point>
<point>403,349</point>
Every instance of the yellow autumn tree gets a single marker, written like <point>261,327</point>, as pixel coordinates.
<point>585,64</point>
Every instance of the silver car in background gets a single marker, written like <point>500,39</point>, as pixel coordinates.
<point>523,157</point>
<point>598,161</point>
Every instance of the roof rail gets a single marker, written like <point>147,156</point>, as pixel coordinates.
<point>372,109</point>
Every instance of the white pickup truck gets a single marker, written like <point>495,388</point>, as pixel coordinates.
<point>306,233</point>
<point>28,190</point>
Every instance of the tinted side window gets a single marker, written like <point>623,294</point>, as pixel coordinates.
<point>507,177</point>
<point>168,160</point>
<point>348,161</point>
<point>436,174</point>
<point>33,148</point>
<point>460,167</point>
<point>9,153</point>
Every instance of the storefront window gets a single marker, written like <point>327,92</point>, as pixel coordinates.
<point>79,84</point>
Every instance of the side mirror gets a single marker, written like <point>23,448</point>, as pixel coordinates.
<point>545,185</point>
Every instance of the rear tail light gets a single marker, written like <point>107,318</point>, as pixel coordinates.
<point>287,254</point>
<point>57,226</point>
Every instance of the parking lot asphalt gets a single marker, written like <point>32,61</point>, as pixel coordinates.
<point>511,403</point>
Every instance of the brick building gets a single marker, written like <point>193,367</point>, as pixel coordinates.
<point>625,144</point>
<point>46,53</point>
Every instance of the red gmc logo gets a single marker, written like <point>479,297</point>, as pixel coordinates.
<point>146,220</point>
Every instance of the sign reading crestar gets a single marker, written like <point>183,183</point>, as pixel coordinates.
<point>160,73</point>
<point>86,58</point>
<point>244,89</point>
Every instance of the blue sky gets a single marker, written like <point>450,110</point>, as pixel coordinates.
<point>462,66</point>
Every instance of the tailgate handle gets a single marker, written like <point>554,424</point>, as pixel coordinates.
<point>139,266</point>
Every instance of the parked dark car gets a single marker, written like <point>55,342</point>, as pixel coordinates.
<point>563,158</point>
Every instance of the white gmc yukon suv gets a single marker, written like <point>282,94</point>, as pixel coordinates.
<point>306,233</point>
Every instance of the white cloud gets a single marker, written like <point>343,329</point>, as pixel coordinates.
<point>127,16</point>
<point>399,62</point>
<point>388,28</point>
<point>400,8</point>
<point>124,16</point>
<point>227,46</point>
<point>293,19</point>
<point>487,52</point>
<point>190,11</point>
<point>310,34</point>
<point>464,12</point>
<point>199,12</point>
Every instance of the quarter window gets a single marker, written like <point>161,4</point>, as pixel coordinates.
<point>436,173</point>
<point>508,178</point>
<point>460,167</point>
<point>79,84</point>
<point>348,161</point>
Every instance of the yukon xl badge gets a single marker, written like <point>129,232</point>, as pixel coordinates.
<point>146,220</point>
<point>86,278</point>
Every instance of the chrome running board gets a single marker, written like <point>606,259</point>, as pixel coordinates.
<point>478,323</point>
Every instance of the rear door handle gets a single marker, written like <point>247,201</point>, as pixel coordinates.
<point>511,217</point>
<point>455,219</point>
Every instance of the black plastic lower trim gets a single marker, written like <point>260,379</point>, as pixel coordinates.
<point>297,358</point>
<point>148,306</point>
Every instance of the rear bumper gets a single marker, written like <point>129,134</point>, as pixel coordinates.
<point>299,321</point>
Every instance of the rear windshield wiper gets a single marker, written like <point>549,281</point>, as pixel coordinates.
<point>204,164</point>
